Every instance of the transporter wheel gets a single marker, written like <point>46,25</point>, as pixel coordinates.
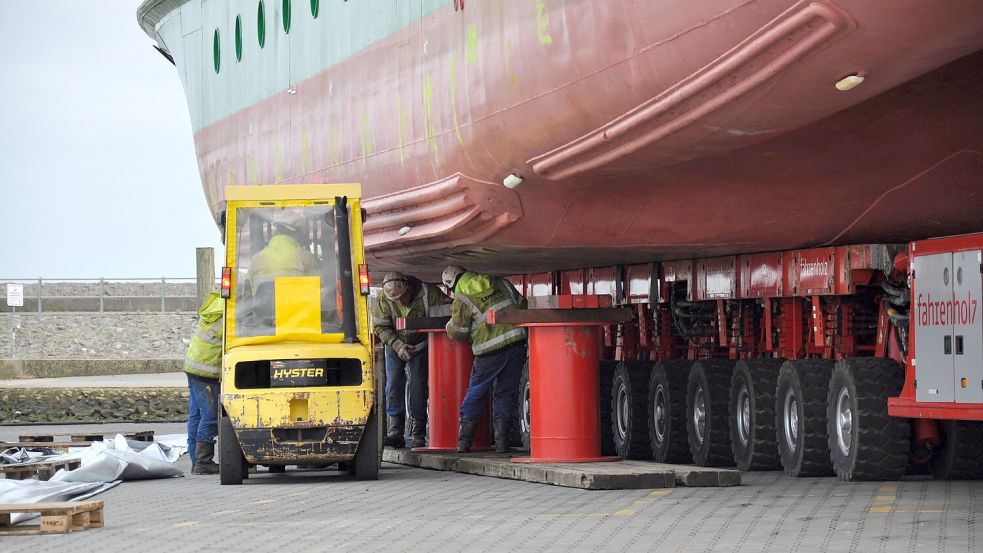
<point>667,412</point>
<point>231,461</point>
<point>605,371</point>
<point>865,443</point>
<point>961,456</point>
<point>629,412</point>
<point>524,428</point>
<point>800,417</point>
<point>366,462</point>
<point>706,413</point>
<point>752,414</point>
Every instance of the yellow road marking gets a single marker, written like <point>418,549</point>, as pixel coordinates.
<point>661,492</point>
<point>298,494</point>
<point>644,502</point>
<point>264,501</point>
<point>891,509</point>
<point>888,489</point>
<point>576,515</point>
<point>625,512</point>
<point>186,524</point>
<point>885,497</point>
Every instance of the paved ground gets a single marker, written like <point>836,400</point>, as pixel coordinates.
<point>152,380</point>
<point>418,510</point>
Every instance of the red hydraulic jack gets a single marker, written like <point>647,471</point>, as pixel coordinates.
<point>564,350</point>
<point>449,372</point>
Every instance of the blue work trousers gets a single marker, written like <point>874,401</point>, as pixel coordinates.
<point>503,368</point>
<point>202,411</point>
<point>406,380</point>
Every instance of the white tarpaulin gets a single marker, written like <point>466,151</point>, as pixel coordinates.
<point>103,465</point>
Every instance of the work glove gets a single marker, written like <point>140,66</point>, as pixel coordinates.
<point>405,352</point>
<point>402,350</point>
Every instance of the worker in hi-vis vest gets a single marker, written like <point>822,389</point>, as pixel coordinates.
<point>203,365</point>
<point>499,349</point>
<point>406,353</point>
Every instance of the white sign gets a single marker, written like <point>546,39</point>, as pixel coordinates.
<point>15,295</point>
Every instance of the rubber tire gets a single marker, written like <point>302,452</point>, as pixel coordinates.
<point>231,461</point>
<point>760,376</point>
<point>672,377</point>
<point>631,378</point>
<point>879,444</point>
<point>713,376</point>
<point>809,381</point>
<point>365,465</point>
<point>961,456</point>
<point>605,371</point>
<point>523,425</point>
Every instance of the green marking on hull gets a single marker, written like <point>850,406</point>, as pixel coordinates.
<point>277,60</point>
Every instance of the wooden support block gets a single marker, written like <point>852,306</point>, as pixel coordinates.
<point>421,323</point>
<point>533,316</point>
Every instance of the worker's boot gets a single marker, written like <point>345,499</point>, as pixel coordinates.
<point>503,430</point>
<point>394,433</point>
<point>418,433</point>
<point>466,437</point>
<point>205,459</point>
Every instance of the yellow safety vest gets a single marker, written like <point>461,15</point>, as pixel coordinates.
<point>474,296</point>
<point>204,356</point>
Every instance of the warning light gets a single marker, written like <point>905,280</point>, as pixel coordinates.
<point>363,279</point>
<point>226,281</point>
<point>963,382</point>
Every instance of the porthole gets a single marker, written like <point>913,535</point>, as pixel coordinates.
<point>286,16</point>
<point>315,8</point>
<point>216,51</point>
<point>261,24</point>
<point>238,38</point>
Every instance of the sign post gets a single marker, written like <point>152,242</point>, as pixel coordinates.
<point>15,299</point>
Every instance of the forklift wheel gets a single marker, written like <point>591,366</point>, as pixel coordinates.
<point>366,462</point>
<point>232,463</point>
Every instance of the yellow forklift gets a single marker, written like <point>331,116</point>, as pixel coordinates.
<point>298,383</point>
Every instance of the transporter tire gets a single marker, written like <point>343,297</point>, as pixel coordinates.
<point>667,412</point>
<point>523,413</point>
<point>231,461</point>
<point>707,429</point>
<point>752,414</point>
<point>629,410</point>
<point>605,371</point>
<point>961,456</point>
<point>866,443</point>
<point>800,417</point>
<point>365,465</point>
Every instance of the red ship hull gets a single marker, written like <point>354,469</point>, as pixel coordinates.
<point>643,131</point>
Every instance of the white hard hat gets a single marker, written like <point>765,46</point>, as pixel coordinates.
<point>291,219</point>
<point>394,285</point>
<point>450,275</point>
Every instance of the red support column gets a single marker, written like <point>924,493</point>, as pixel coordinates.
<point>563,389</point>
<point>449,370</point>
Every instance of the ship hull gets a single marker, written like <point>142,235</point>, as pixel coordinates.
<point>642,131</point>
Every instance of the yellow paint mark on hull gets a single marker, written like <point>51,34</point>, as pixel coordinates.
<point>457,126</point>
<point>543,23</point>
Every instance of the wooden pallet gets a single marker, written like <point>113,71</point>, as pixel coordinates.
<point>56,518</point>
<point>44,470</point>
<point>141,436</point>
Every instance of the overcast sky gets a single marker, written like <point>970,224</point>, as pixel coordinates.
<point>98,175</point>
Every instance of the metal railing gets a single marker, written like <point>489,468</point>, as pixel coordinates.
<point>84,294</point>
